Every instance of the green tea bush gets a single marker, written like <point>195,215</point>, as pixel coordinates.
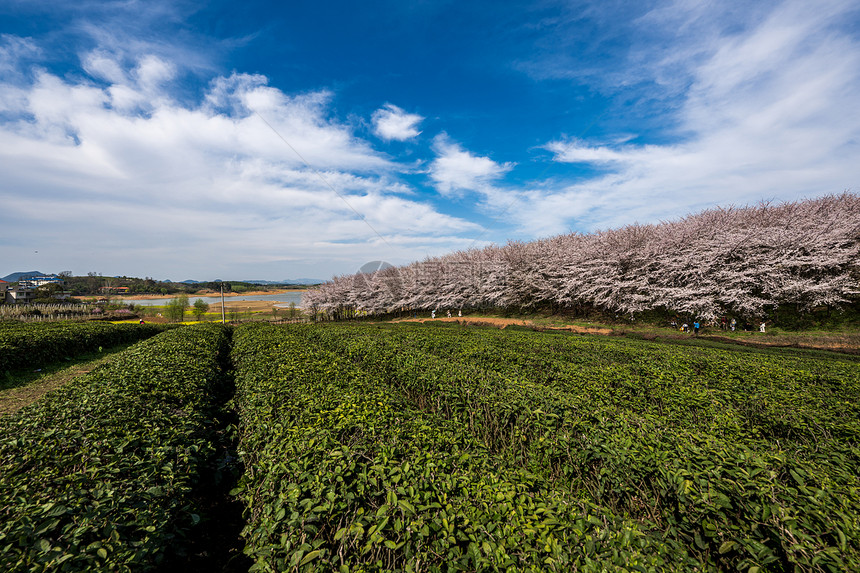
<point>24,345</point>
<point>344,474</point>
<point>97,475</point>
<point>752,396</point>
<point>764,475</point>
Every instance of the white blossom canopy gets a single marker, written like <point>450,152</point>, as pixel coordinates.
<point>741,261</point>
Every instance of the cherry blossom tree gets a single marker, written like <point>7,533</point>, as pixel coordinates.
<point>742,261</point>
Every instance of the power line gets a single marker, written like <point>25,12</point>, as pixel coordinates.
<point>323,179</point>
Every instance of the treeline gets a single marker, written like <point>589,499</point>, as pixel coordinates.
<point>94,284</point>
<point>748,262</point>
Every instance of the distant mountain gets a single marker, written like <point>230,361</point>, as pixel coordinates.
<point>15,277</point>
<point>302,282</point>
<point>287,282</point>
<point>190,282</point>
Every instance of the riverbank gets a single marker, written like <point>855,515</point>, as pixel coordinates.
<point>235,307</point>
<point>250,305</point>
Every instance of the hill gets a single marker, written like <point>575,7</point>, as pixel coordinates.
<point>15,277</point>
<point>287,282</point>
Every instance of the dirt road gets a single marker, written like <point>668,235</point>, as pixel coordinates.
<point>504,322</point>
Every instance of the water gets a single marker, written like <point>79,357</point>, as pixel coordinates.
<point>284,298</point>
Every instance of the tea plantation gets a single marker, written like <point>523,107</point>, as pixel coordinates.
<point>442,448</point>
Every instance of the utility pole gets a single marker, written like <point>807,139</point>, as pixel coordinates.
<point>222,305</point>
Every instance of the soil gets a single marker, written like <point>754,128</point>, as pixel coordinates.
<point>505,322</point>
<point>13,399</point>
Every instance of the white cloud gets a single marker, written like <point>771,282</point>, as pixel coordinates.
<point>14,50</point>
<point>743,101</point>
<point>456,169</point>
<point>125,173</point>
<point>391,122</point>
<point>152,72</point>
<point>104,66</point>
<point>768,114</point>
<point>575,152</point>
<point>156,29</point>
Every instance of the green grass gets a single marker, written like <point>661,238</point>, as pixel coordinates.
<point>842,339</point>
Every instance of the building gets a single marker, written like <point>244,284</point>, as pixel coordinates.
<point>19,295</point>
<point>34,282</point>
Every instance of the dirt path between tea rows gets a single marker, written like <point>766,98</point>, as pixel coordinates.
<point>504,322</point>
<point>13,399</point>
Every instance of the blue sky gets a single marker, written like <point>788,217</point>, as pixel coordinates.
<point>274,140</point>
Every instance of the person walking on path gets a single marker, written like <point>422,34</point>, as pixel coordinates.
<point>696,327</point>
